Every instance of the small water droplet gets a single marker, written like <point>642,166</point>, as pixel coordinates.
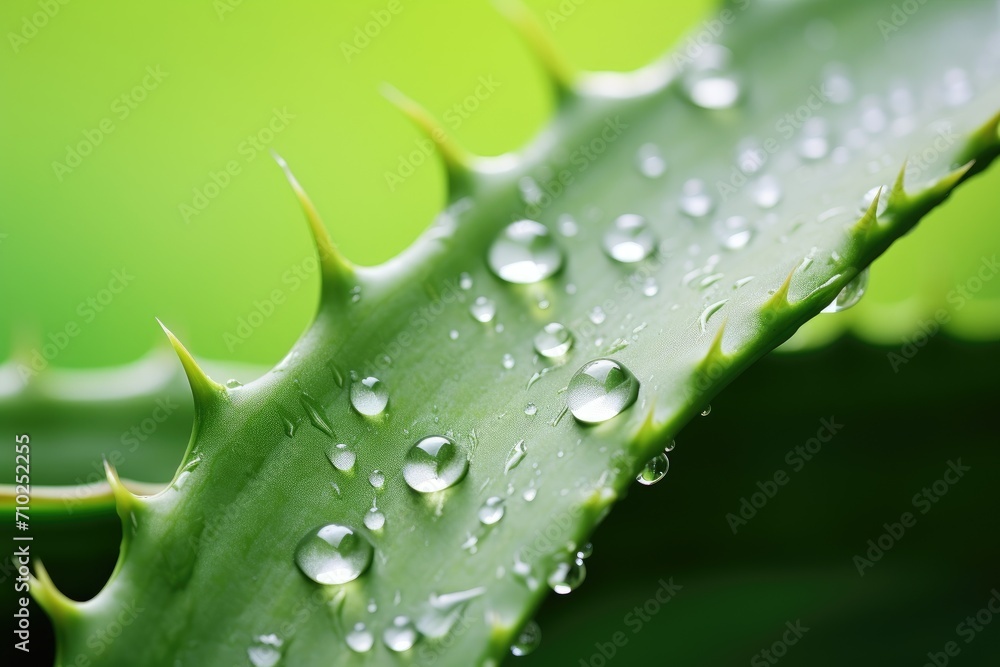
<point>531,192</point>
<point>600,390</point>
<point>359,639</point>
<point>342,457</point>
<point>650,161</point>
<point>814,144</point>
<point>586,551</point>
<point>369,396</point>
<point>711,310</point>
<point>465,281</point>
<point>401,635</point>
<point>377,480</point>
<point>508,361</point>
<point>356,294</point>
<point>596,315</point>
<point>453,334</point>
<point>553,341</point>
<point>492,511</point>
<point>529,494</point>
<point>265,651</point>
<point>734,232</point>
<point>527,640</point>
<point>333,554</point>
<point>696,201</point>
<point>707,411</point>
<point>654,470</point>
<point>568,576</point>
<point>670,446</point>
<point>525,252</point>
<point>483,309</point>
<point>629,239</point>
<point>315,413</point>
<point>374,519</point>
<point>515,456</point>
<point>288,422</point>
<point>850,295</point>
<point>530,409</point>
<point>434,464</point>
<point>957,87</point>
<point>650,287</point>
<point>766,192</point>
<point>710,84</point>
<point>233,384</point>
<point>568,226</point>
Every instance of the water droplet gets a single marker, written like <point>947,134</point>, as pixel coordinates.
<point>369,396</point>
<point>465,281</point>
<point>814,143</point>
<point>711,310</point>
<point>650,287</point>
<point>957,87</point>
<point>707,411</point>
<point>670,446</point>
<point>712,85</point>
<point>527,640</point>
<point>401,635</point>
<point>453,334</point>
<point>531,192</point>
<point>850,295</point>
<point>696,200</point>
<point>492,511</point>
<point>650,161</point>
<point>508,361</point>
<point>629,239</point>
<point>434,464</point>
<point>374,519</point>
<point>342,457</point>
<point>529,494</point>
<point>333,554</point>
<point>359,639</point>
<point>265,651</point>
<point>525,253</point>
<point>586,551</point>
<point>568,226</point>
<point>654,470</point>
<point>734,232</point>
<point>483,309</point>
<point>515,456</point>
<point>233,384</point>
<point>315,413</point>
<point>442,612</point>
<point>883,202</point>
<point>766,192</point>
<point>567,577</point>
<point>553,341</point>
<point>288,421</point>
<point>596,315</point>
<point>600,390</point>
<point>377,480</point>
<point>356,294</point>
<point>530,409</point>
<point>837,84</point>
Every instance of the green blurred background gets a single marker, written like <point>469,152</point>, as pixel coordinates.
<point>228,66</point>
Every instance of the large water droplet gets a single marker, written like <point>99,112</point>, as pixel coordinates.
<point>342,457</point>
<point>401,635</point>
<point>492,511</point>
<point>553,341</point>
<point>515,456</point>
<point>696,200</point>
<point>265,651</point>
<point>369,396</point>
<point>600,390</point>
<point>629,239</point>
<point>333,554</point>
<point>654,470</point>
<point>434,464</point>
<point>709,83</point>
<point>650,161</point>
<point>568,576</point>
<point>734,232</point>
<point>377,480</point>
<point>850,295</point>
<point>359,639</point>
<point>483,309</point>
<point>233,384</point>
<point>527,640</point>
<point>525,253</point>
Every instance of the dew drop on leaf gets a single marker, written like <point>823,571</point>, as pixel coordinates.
<point>654,470</point>
<point>515,456</point>
<point>568,576</point>
<point>629,239</point>
<point>369,396</point>
<point>766,192</point>
<point>553,341</point>
<point>483,309</point>
<point>696,200</point>
<point>650,161</point>
<point>527,640</point>
<point>491,511</point>
<point>401,634</point>
<point>359,639</point>
<point>377,480</point>
<point>342,457</point>
<point>333,554</point>
<point>600,390</point>
<point>524,253</point>
<point>265,651</point>
<point>434,464</point>
<point>850,295</point>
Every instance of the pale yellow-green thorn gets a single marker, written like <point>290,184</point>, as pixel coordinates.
<point>649,431</point>
<point>58,607</point>
<point>458,162</point>
<point>337,270</point>
<point>943,187</point>
<point>205,389</point>
<point>898,199</point>
<point>126,502</point>
<point>983,139</point>
<point>715,360</point>
<point>868,222</point>
<point>560,74</point>
<point>779,301</point>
